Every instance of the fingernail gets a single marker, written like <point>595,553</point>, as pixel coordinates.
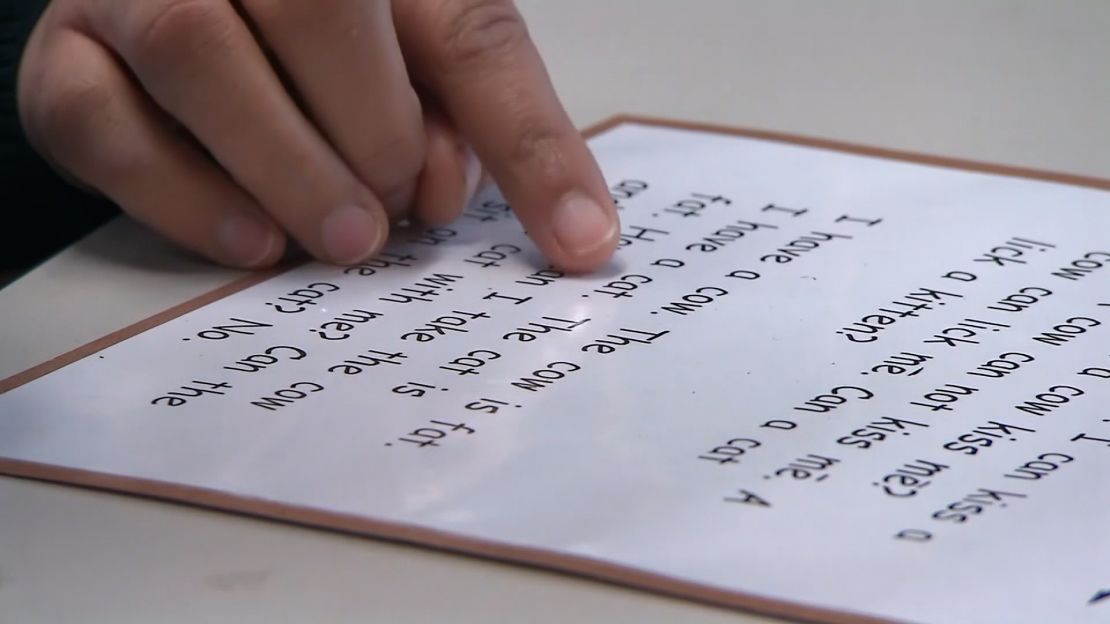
<point>473,175</point>
<point>350,234</point>
<point>246,241</point>
<point>581,225</point>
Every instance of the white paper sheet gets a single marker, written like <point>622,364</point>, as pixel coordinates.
<point>829,379</point>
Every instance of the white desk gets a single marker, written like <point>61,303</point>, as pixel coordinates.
<point>1024,83</point>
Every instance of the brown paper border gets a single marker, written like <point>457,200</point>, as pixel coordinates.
<point>573,564</point>
<point>856,148</point>
<point>135,329</point>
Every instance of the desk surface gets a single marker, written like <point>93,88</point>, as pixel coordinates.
<point>1022,83</point>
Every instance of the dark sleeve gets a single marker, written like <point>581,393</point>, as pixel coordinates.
<point>39,212</point>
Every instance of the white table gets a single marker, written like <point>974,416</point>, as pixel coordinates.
<point>1023,83</point>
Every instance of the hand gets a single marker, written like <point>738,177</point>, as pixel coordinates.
<point>228,125</point>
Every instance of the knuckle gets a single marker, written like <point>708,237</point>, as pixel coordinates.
<point>32,101</point>
<point>73,114</point>
<point>393,153</point>
<point>390,161</point>
<point>537,146</point>
<point>277,14</point>
<point>480,32</point>
<point>168,29</point>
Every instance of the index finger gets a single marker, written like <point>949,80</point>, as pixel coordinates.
<point>477,59</point>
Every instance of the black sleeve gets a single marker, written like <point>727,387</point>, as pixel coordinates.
<point>39,212</point>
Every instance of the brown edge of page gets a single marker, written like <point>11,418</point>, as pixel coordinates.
<point>573,564</point>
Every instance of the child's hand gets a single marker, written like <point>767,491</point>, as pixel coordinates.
<point>225,125</point>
